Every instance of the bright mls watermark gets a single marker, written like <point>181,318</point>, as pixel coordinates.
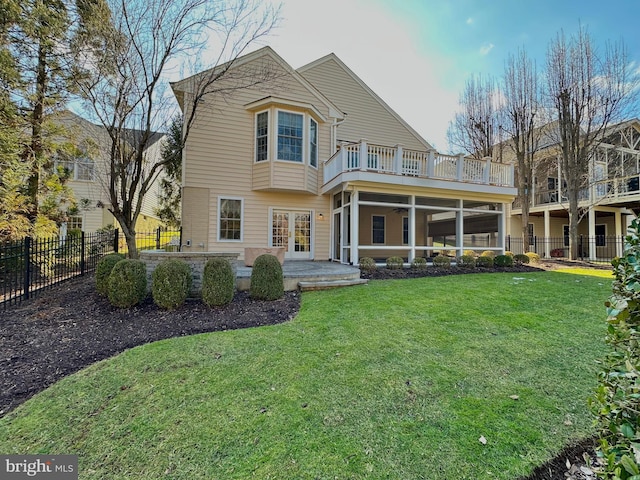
<point>49,467</point>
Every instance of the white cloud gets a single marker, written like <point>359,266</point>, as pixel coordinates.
<point>486,48</point>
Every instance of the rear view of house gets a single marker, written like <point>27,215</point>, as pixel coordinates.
<point>315,162</point>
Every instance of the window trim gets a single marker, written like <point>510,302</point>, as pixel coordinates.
<point>384,230</point>
<point>304,138</point>
<point>255,136</point>
<point>219,220</point>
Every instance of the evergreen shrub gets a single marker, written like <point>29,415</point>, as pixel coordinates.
<point>171,283</point>
<point>127,283</point>
<point>218,282</point>
<point>267,280</point>
<point>103,270</point>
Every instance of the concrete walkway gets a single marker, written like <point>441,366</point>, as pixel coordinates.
<point>296,271</point>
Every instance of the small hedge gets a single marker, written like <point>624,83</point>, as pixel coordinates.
<point>127,283</point>
<point>395,263</point>
<point>267,281</point>
<point>466,261</point>
<point>470,253</point>
<point>419,263</point>
<point>484,261</point>
<point>103,270</point>
<point>533,257</point>
<point>171,283</point>
<point>520,258</point>
<point>368,264</point>
<point>218,282</point>
<point>441,261</point>
<point>503,261</point>
<point>488,253</point>
<point>509,254</point>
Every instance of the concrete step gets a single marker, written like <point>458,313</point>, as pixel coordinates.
<point>326,284</point>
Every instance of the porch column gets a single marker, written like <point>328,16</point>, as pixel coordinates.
<point>412,229</point>
<point>502,227</point>
<point>459,230</point>
<point>355,214</point>
<point>397,167</point>
<point>619,233</point>
<point>547,230</point>
<point>592,234</point>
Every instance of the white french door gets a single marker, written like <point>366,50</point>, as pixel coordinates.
<point>292,230</point>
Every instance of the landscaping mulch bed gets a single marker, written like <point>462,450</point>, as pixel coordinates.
<point>69,326</point>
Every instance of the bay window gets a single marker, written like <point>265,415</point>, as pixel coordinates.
<point>290,136</point>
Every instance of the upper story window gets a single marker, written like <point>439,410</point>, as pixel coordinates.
<point>313,143</point>
<point>290,136</point>
<point>262,136</point>
<point>78,168</point>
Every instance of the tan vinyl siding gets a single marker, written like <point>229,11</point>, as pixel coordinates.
<point>195,211</point>
<point>365,117</point>
<point>261,175</point>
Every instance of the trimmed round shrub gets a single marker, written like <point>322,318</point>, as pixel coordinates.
<point>520,258</point>
<point>127,283</point>
<point>395,263</point>
<point>470,253</point>
<point>484,261</point>
<point>503,261</point>
<point>466,261</point>
<point>218,282</point>
<point>103,270</point>
<point>509,254</point>
<point>419,263</point>
<point>533,257</point>
<point>368,264</point>
<point>488,253</point>
<point>267,281</point>
<point>441,261</point>
<point>171,283</point>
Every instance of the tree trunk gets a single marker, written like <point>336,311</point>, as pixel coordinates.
<point>573,223</point>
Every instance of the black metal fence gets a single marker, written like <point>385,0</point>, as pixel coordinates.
<point>28,266</point>
<point>596,249</point>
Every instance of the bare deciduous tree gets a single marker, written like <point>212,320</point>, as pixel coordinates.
<point>587,91</point>
<point>126,83</point>
<point>475,128</point>
<point>520,113</point>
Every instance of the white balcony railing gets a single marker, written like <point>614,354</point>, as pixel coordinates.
<point>399,161</point>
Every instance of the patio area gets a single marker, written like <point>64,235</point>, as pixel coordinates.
<point>306,275</point>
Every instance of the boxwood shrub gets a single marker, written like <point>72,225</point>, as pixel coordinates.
<point>484,261</point>
<point>466,261</point>
<point>395,263</point>
<point>503,261</point>
<point>441,261</point>
<point>103,270</point>
<point>128,283</point>
<point>267,280</point>
<point>171,283</point>
<point>218,282</point>
<point>533,257</point>
<point>520,258</point>
<point>419,263</point>
<point>368,264</point>
<point>488,253</point>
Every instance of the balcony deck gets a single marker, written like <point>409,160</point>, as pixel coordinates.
<point>397,165</point>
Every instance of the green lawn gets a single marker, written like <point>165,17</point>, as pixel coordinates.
<point>395,379</point>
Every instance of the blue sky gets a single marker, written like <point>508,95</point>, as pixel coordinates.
<point>417,54</point>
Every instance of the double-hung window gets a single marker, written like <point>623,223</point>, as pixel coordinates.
<point>313,143</point>
<point>377,229</point>
<point>230,219</point>
<point>290,127</point>
<point>262,136</point>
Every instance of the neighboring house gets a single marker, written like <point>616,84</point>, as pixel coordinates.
<point>611,199</point>
<point>320,165</point>
<point>89,175</point>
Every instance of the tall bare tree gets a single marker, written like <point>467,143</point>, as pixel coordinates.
<point>126,84</point>
<point>520,121</point>
<point>475,128</point>
<point>587,90</point>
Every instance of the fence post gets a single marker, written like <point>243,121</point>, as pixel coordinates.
<point>27,268</point>
<point>116,240</point>
<point>82,258</point>
<point>158,238</point>
<point>508,243</point>
<point>180,244</point>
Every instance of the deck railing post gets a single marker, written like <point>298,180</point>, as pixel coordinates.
<point>398,160</point>
<point>364,154</point>
<point>431,160</point>
<point>487,171</point>
<point>460,167</point>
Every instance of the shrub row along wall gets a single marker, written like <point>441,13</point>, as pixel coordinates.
<point>195,260</point>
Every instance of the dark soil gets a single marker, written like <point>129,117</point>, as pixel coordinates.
<point>69,327</point>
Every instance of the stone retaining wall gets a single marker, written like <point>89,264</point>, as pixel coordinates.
<point>195,260</point>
